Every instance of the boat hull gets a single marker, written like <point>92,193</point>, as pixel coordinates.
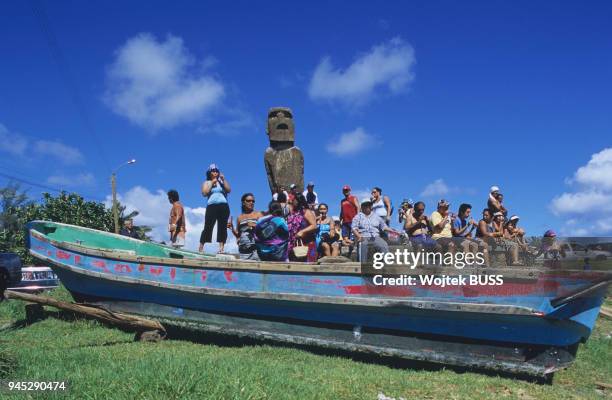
<point>322,297</point>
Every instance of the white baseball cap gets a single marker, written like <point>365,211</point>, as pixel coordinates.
<point>494,189</point>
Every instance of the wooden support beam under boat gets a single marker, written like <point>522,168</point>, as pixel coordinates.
<point>145,328</point>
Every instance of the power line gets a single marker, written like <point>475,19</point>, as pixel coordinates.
<point>66,77</point>
<point>46,187</point>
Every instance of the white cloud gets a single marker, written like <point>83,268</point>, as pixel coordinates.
<point>387,65</point>
<point>436,188</point>
<point>20,145</point>
<point>154,210</point>
<point>82,179</point>
<point>362,194</point>
<point>351,143</point>
<point>157,84</point>
<point>234,122</point>
<point>598,171</point>
<point>66,154</point>
<point>581,202</point>
<point>587,207</point>
<point>11,142</point>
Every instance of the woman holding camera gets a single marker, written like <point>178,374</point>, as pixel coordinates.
<point>215,188</point>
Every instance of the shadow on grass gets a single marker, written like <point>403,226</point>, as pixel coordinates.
<point>226,340</point>
<point>175,332</point>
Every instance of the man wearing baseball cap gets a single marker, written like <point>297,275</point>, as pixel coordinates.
<point>349,207</point>
<point>493,203</point>
<point>311,196</point>
<point>366,227</point>
<point>441,226</point>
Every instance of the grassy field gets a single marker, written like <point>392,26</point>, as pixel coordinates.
<point>105,363</point>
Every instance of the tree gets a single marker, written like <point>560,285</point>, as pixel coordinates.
<point>12,200</point>
<point>67,208</point>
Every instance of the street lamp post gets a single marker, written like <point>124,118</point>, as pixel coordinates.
<point>114,189</point>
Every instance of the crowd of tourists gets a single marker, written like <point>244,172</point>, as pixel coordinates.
<point>296,226</point>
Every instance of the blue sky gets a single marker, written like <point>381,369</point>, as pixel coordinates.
<point>426,100</point>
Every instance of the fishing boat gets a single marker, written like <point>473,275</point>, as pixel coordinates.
<point>532,322</point>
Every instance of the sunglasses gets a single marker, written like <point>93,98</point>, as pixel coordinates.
<point>249,201</point>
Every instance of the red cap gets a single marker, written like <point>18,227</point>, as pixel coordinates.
<point>346,187</point>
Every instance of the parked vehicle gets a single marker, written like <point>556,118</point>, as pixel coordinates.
<point>36,279</point>
<point>10,271</point>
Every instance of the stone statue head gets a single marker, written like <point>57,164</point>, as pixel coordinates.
<point>280,126</point>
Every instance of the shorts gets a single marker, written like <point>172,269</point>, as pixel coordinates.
<point>347,232</point>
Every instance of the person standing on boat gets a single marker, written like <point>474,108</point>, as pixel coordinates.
<point>215,188</point>
<point>277,191</point>
<point>349,207</point>
<point>272,235</point>
<point>494,203</point>
<point>381,205</point>
<point>177,224</point>
<point>128,229</point>
<point>246,228</point>
<point>302,226</point>
<point>282,200</point>
<point>311,196</point>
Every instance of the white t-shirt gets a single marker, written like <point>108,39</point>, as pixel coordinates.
<point>316,197</point>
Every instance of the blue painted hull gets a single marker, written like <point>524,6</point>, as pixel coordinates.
<point>491,327</point>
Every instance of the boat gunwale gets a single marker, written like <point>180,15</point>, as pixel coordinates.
<point>415,303</point>
<point>343,268</point>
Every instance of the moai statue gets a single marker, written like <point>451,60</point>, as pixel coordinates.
<point>283,160</point>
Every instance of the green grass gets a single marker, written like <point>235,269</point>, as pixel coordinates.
<point>103,363</point>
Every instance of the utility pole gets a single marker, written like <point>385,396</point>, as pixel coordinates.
<point>115,211</point>
<point>114,190</point>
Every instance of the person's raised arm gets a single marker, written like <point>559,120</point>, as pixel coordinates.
<point>459,231</point>
<point>387,202</point>
<point>206,187</point>
<point>226,185</point>
<point>410,226</point>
